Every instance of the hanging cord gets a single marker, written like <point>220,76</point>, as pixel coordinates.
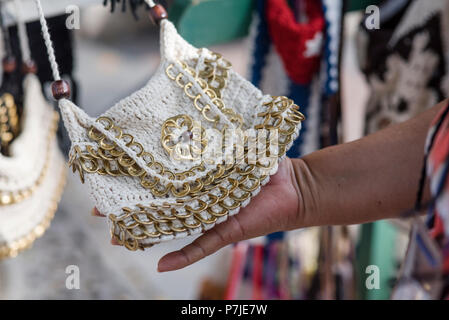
<point>23,35</point>
<point>5,33</point>
<point>48,42</point>
<point>59,88</point>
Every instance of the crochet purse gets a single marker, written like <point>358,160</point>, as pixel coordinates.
<point>157,163</point>
<point>11,92</point>
<point>33,174</point>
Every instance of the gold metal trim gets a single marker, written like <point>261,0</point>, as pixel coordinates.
<point>212,79</point>
<point>11,250</point>
<point>16,196</point>
<point>9,120</point>
<point>172,135</point>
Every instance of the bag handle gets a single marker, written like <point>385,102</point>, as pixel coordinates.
<point>60,88</point>
<point>49,45</point>
<point>28,65</point>
<point>9,61</point>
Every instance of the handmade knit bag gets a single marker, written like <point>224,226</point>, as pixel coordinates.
<point>33,175</point>
<point>144,160</point>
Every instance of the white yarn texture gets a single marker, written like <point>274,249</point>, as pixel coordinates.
<point>29,153</point>
<point>142,115</point>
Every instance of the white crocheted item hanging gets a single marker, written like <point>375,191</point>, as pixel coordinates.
<point>32,176</point>
<point>156,164</point>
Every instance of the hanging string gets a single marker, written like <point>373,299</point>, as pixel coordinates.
<point>23,36</point>
<point>5,33</point>
<point>48,42</point>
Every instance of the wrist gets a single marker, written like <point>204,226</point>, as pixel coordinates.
<point>306,188</point>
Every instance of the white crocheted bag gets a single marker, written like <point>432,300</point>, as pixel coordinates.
<point>32,178</point>
<point>156,164</point>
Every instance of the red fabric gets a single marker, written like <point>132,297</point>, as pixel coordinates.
<point>258,272</point>
<point>438,228</point>
<point>290,37</point>
<point>235,275</point>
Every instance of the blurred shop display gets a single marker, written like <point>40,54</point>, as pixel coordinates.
<point>55,8</point>
<point>200,22</point>
<point>296,52</point>
<point>283,268</point>
<point>205,23</point>
<point>11,92</point>
<point>415,57</point>
<point>132,5</point>
<point>63,44</point>
<point>405,61</point>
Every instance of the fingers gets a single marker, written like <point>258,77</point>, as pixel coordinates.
<point>239,227</point>
<point>216,238</point>
<point>115,242</point>
<point>97,213</point>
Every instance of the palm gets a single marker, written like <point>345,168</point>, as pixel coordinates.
<point>275,208</point>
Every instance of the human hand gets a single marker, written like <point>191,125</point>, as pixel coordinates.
<point>276,208</point>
